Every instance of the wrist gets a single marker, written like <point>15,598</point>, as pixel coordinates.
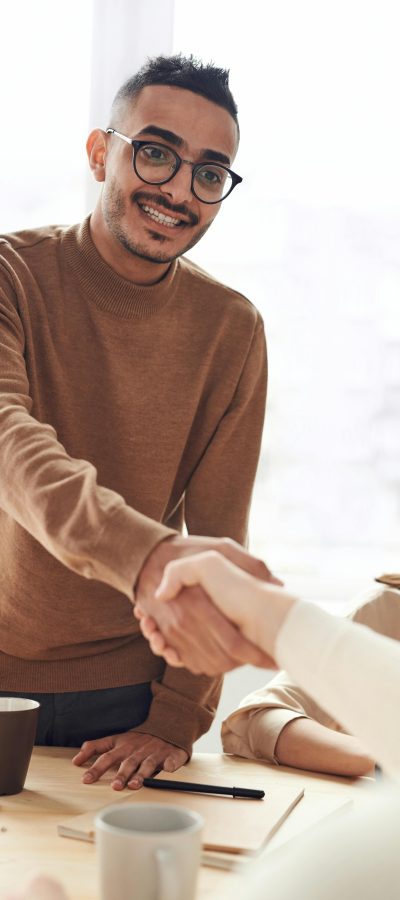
<point>272,606</point>
<point>155,556</point>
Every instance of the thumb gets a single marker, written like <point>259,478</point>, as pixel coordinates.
<point>178,574</point>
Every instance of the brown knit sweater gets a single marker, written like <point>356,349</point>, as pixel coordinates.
<point>124,411</point>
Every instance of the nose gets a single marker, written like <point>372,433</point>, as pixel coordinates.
<point>179,189</point>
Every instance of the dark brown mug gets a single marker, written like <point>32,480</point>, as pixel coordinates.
<point>18,722</point>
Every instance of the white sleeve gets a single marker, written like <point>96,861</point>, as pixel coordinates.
<point>348,857</point>
<point>350,671</point>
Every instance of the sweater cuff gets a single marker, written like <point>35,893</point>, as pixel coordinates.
<point>254,732</point>
<point>265,727</point>
<point>175,718</point>
<point>122,547</point>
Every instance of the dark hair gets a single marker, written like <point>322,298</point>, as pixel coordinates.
<point>183,72</point>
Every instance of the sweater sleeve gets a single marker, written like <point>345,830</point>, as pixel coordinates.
<point>253,729</point>
<point>55,497</point>
<point>183,707</point>
<point>350,671</point>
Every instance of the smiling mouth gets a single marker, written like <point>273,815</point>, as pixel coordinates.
<point>161,218</point>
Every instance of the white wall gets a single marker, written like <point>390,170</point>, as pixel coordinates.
<point>125,33</point>
<point>313,238</point>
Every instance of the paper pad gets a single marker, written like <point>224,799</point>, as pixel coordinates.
<point>232,825</point>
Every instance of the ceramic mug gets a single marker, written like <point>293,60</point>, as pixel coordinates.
<point>18,722</point>
<point>148,851</point>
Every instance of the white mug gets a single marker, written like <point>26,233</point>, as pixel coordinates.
<point>148,851</point>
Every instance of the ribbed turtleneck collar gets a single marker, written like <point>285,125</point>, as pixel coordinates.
<point>108,290</point>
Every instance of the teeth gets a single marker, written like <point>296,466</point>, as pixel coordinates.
<point>160,217</point>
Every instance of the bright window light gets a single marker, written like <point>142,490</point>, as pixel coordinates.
<point>44,107</point>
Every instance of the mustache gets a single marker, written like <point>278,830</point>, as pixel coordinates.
<point>160,200</point>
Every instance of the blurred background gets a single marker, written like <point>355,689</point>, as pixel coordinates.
<point>312,237</point>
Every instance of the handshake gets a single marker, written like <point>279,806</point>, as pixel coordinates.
<point>208,605</point>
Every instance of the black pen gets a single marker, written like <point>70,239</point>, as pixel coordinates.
<point>194,788</point>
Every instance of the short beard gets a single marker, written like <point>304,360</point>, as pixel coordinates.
<point>114,209</point>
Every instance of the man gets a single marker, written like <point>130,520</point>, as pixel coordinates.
<point>132,394</point>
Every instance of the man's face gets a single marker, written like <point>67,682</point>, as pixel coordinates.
<point>198,129</point>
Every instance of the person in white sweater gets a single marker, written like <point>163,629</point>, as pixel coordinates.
<point>281,724</point>
<point>346,668</point>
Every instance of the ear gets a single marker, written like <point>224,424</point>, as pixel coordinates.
<point>96,150</point>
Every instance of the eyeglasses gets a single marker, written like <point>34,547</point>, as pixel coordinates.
<point>155,163</point>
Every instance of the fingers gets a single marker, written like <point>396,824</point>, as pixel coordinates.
<point>250,654</point>
<point>245,560</point>
<point>148,627</point>
<point>132,771</point>
<point>92,748</point>
<point>150,766</point>
<point>273,579</point>
<point>135,755</point>
<point>158,644</point>
<point>106,761</point>
<point>159,647</point>
<point>201,636</point>
<point>172,657</point>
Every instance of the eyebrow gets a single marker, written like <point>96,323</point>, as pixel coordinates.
<point>177,141</point>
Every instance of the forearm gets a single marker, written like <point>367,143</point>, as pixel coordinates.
<point>351,671</point>
<point>183,707</point>
<point>57,499</point>
<point>306,744</point>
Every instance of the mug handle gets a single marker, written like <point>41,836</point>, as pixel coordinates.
<point>167,885</point>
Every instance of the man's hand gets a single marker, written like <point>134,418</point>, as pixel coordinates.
<point>189,630</point>
<point>136,755</point>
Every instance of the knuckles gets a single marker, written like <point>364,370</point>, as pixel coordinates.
<point>261,570</point>
<point>87,746</point>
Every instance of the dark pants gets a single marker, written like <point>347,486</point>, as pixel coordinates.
<point>69,719</point>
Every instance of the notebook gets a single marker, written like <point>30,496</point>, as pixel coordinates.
<point>232,825</point>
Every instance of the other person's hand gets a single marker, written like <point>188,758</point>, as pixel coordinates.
<point>179,624</point>
<point>135,754</point>
<point>256,608</point>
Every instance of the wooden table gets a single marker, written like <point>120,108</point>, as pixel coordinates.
<point>28,821</point>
